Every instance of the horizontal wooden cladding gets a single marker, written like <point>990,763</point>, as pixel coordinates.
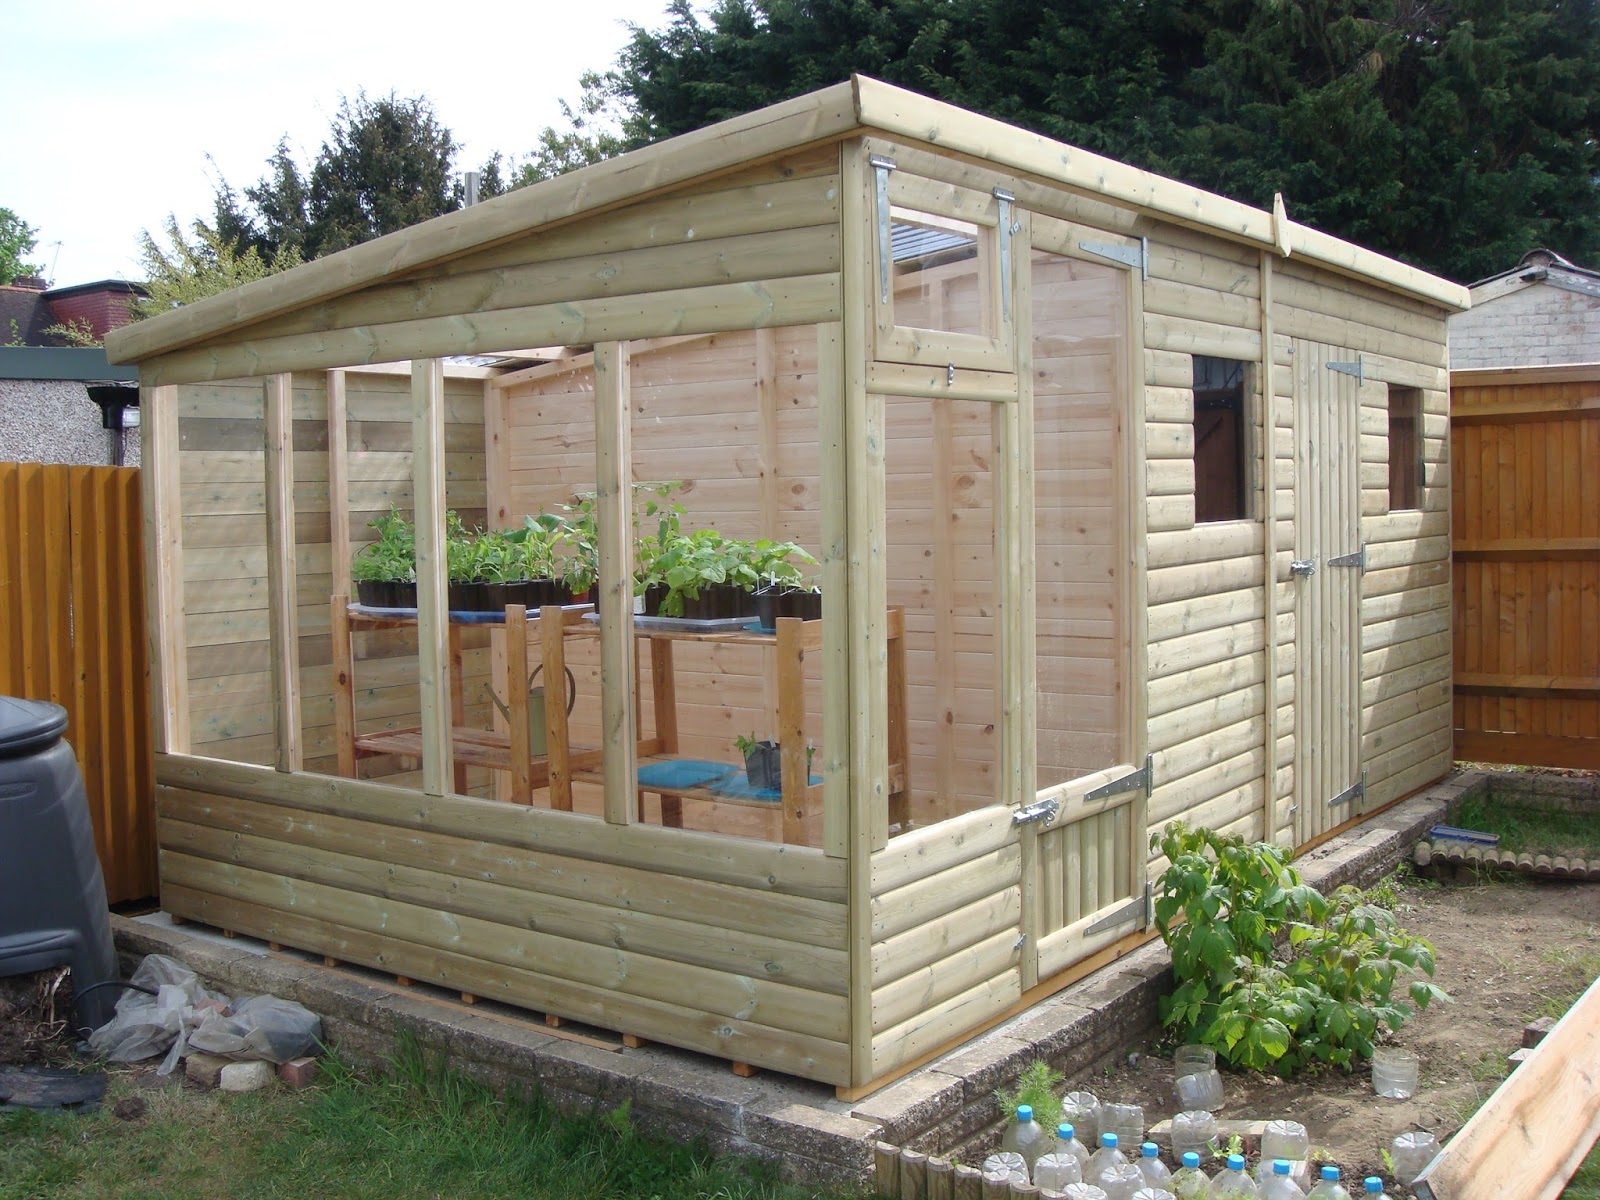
<point>801,300</point>
<point>560,929</point>
<point>933,849</point>
<point>688,264</point>
<point>761,867</point>
<point>516,982</point>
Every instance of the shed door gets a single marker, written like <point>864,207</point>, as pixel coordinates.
<point>1328,563</point>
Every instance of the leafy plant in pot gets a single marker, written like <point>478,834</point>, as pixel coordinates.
<point>763,761</point>
<point>783,589</point>
<point>652,501</point>
<point>528,567</point>
<point>700,576</point>
<point>385,571</point>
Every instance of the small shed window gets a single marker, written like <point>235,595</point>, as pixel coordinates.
<point>1221,439</point>
<point>1405,448</point>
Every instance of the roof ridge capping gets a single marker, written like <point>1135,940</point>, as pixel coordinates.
<point>830,113</point>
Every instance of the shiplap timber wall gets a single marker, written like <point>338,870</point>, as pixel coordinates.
<point>222,473</point>
<point>1526,537</point>
<point>724,945</point>
<point>1405,597</point>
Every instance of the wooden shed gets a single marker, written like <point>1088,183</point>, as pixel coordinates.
<point>1130,501</point>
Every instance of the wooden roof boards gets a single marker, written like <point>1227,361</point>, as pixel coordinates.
<point>861,105</point>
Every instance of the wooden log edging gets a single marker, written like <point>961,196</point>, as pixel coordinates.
<point>1436,855</point>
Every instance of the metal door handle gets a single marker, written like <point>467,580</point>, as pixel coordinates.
<point>1303,566</point>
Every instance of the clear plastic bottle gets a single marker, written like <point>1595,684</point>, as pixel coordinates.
<point>1280,1184</point>
<point>1119,1181</point>
<point>1155,1172</point>
<point>1104,1158</point>
<point>1233,1181</point>
<point>1083,1110</point>
<point>1374,1187</point>
<point>1055,1171</point>
<point>1026,1137</point>
<point>1067,1143</point>
<point>1329,1187</point>
<point>1153,1193</point>
<point>1083,1191</point>
<point>1189,1182</point>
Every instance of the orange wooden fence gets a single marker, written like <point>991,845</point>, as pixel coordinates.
<point>1525,529</point>
<point>72,630</point>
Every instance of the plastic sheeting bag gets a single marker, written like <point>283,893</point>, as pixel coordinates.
<point>145,1025</point>
<point>259,1027</point>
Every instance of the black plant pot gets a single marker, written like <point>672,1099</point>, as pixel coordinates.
<point>468,597</point>
<point>719,601</point>
<point>375,593</point>
<point>772,603</point>
<point>763,766</point>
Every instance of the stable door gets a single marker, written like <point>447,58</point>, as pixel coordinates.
<point>1328,563</point>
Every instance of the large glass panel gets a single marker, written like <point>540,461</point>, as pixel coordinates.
<point>1079,327</point>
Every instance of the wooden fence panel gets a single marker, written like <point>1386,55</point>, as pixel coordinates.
<point>72,631</point>
<point>1525,531</point>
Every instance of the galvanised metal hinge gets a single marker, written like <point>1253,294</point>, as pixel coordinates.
<point>1358,788</point>
<point>1039,810</point>
<point>1143,779</point>
<point>1357,368</point>
<point>1129,256</point>
<point>1358,559</point>
<point>1136,909</point>
<point>1007,232</point>
<point>881,167</point>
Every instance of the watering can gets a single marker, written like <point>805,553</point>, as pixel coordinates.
<point>538,743</point>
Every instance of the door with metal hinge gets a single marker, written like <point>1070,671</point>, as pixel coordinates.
<point>1084,880</point>
<point>1329,560</point>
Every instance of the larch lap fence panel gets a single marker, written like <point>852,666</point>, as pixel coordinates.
<point>1526,544</point>
<point>72,632</point>
<point>989,440</point>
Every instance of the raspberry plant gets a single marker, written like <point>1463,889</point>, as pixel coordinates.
<point>1271,973</point>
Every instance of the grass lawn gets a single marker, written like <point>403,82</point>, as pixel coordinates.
<point>1528,829</point>
<point>415,1130</point>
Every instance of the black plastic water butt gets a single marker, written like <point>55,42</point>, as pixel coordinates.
<point>52,895</point>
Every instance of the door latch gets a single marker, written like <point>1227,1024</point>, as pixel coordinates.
<point>1303,566</point>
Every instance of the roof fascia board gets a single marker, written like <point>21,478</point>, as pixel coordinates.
<point>817,117</point>
<point>80,364</point>
<point>905,114</point>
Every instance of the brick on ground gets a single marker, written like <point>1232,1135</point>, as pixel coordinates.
<point>298,1072</point>
<point>204,1070</point>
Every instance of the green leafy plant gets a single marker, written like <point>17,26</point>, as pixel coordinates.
<point>745,744</point>
<point>1272,974</point>
<point>393,557</point>
<point>1038,1087</point>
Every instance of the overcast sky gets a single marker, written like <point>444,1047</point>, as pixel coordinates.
<point>113,105</point>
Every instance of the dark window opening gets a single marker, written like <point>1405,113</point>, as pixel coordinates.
<point>1221,440</point>
<point>1405,448</point>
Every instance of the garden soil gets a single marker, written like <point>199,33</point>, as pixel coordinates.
<point>1507,953</point>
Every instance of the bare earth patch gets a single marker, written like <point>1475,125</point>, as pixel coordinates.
<point>1503,951</point>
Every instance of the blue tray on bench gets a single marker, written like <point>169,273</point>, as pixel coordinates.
<point>723,779</point>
